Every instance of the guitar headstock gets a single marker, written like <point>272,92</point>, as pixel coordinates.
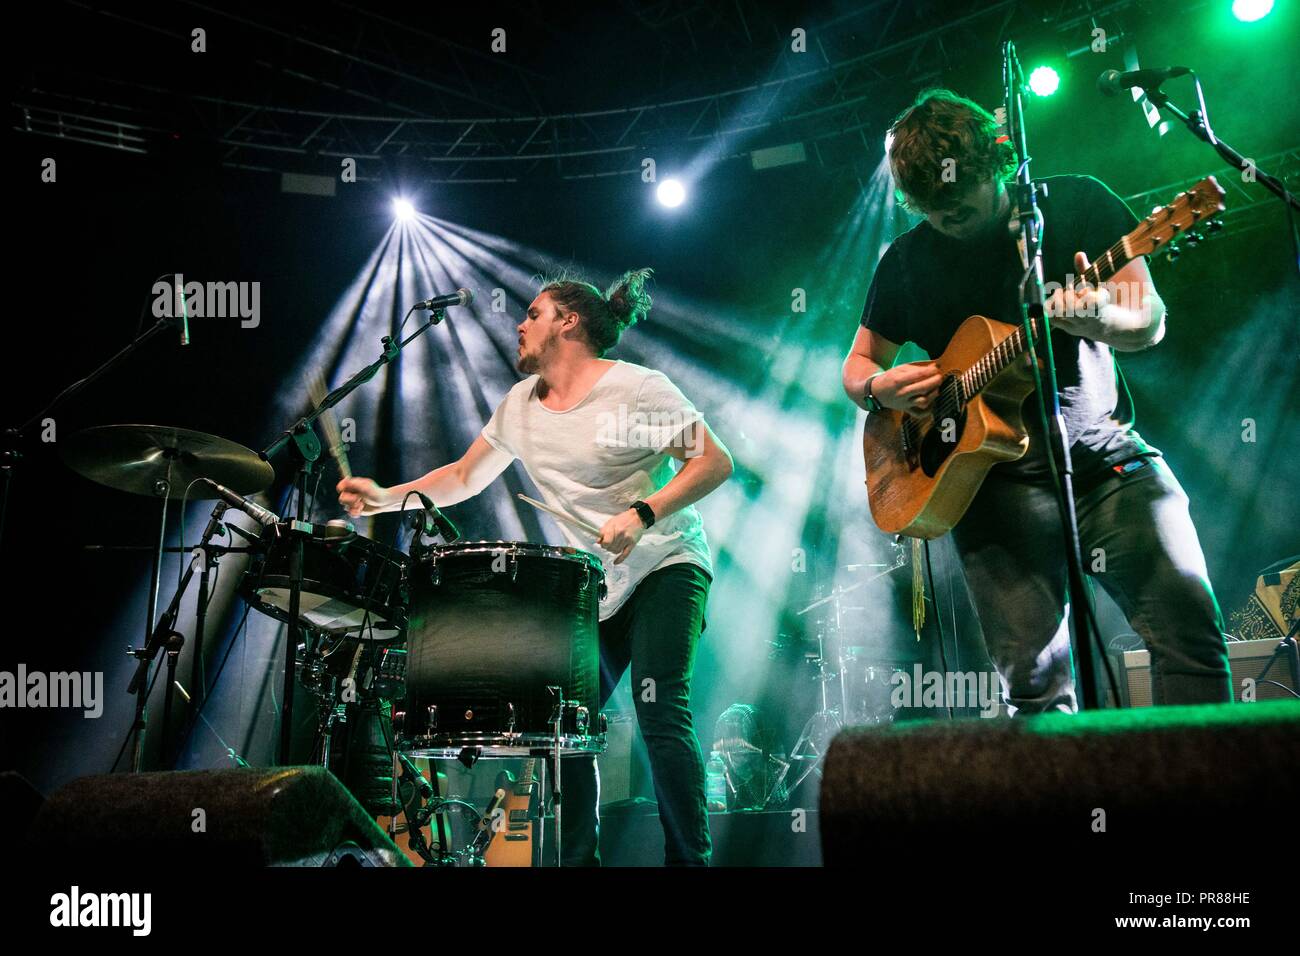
<point>1180,218</point>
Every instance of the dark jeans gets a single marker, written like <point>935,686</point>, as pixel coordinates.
<point>656,632</point>
<point>1138,543</point>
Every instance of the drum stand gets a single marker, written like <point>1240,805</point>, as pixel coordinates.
<point>301,437</point>
<point>822,726</point>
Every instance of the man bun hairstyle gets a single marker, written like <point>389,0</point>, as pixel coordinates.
<point>940,126</point>
<point>604,316</point>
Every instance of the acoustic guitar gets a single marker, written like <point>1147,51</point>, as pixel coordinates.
<point>923,472</point>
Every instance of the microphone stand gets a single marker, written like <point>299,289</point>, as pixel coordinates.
<point>1033,316</point>
<point>164,634</point>
<point>1198,123</point>
<point>305,447</point>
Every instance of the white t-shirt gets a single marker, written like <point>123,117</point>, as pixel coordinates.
<point>593,460</point>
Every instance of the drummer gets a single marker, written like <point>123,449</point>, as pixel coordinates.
<point>598,438</point>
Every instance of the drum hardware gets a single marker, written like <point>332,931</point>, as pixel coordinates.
<point>810,749</point>
<point>305,448</point>
<point>164,463</point>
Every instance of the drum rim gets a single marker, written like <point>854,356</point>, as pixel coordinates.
<point>499,744</point>
<point>526,548</point>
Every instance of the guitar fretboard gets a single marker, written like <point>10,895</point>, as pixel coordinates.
<point>1014,345</point>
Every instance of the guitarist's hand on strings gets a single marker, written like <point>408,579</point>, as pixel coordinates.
<point>1077,309</point>
<point>912,388</point>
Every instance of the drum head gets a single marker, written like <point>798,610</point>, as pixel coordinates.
<point>515,549</point>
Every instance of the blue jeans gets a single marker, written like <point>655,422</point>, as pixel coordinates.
<point>655,632</point>
<point>1138,543</point>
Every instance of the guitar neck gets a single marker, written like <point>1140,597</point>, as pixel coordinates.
<point>1017,344</point>
<point>524,785</point>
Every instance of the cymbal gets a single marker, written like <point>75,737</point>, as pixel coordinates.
<point>135,458</point>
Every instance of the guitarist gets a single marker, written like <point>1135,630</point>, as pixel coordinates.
<point>949,166</point>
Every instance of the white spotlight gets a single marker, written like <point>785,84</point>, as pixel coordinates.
<point>671,193</point>
<point>403,209</point>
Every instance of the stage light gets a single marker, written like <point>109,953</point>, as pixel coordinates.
<point>671,193</point>
<point>1044,80</point>
<point>403,209</point>
<point>1248,11</point>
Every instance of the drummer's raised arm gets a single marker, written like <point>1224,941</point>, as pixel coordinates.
<point>448,485</point>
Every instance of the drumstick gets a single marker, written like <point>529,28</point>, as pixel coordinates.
<point>577,523</point>
<point>316,390</point>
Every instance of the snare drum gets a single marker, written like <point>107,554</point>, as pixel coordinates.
<point>342,578</point>
<point>493,624</point>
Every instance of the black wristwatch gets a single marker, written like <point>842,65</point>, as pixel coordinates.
<point>873,403</point>
<point>645,512</point>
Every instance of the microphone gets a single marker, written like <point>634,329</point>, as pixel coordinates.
<point>436,520</point>
<point>1113,81</point>
<point>182,320</point>
<point>459,297</point>
<point>251,508</point>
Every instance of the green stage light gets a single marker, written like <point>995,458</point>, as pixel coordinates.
<point>1044,80</point>
<point>1248,11</point>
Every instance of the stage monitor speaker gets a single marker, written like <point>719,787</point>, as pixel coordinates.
<point>1246,661</point>
<point>288,816</point>
<point>1038,791</point>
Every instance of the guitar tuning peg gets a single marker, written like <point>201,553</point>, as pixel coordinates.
<point>1172,253</point>
<point>1215,225</point>
<point>1193,239</point>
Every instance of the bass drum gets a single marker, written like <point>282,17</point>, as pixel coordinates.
<point>492,625</point>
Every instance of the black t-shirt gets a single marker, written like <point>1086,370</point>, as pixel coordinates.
<point>927,284</point>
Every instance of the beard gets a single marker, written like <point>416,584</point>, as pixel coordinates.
<point>530,363</point>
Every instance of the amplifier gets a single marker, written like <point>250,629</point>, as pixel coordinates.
<point>1246,659</point>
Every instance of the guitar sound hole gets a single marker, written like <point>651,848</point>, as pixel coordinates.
<point>945,431</point>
